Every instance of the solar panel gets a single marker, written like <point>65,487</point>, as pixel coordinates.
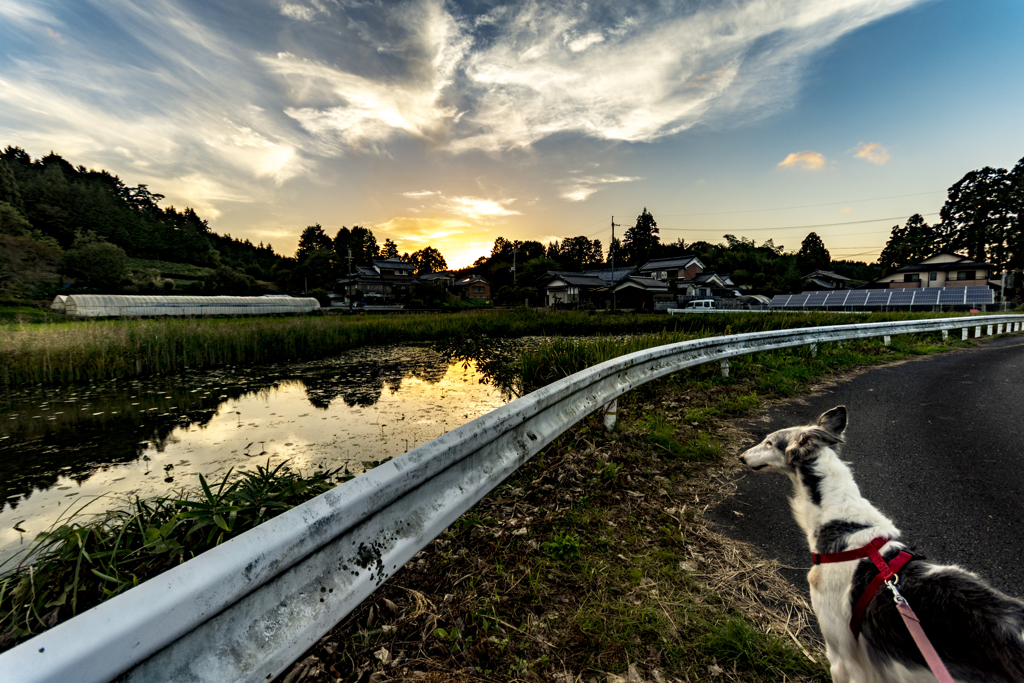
<point>816,299</point>
<point>980,295</point>
<point>836,298</point>
<point>796,301</point>
<point>779,300</point>
<point>902,297</point>
<point>878,297</point>
<point>952,295</point>
<point>857,297</point>
<point>927,297</point>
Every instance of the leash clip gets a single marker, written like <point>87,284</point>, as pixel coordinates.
<point>897,597</point>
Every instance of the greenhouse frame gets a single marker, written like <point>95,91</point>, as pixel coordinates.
<point>123,305</point>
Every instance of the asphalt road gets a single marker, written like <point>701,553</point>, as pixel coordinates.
<point>936,443</point>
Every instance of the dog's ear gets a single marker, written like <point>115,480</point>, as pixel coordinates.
<point>834,421</point>
<point>808,441</point>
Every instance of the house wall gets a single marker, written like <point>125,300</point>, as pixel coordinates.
<point>943,278</point>
<point>478,290</point>
<point>692,271</point>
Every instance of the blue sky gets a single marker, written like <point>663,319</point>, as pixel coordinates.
<point>453,123</point>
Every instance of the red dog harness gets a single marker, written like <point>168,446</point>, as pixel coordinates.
<point>886,572</point>
<point>887,575</point>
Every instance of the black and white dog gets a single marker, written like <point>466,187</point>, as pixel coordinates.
<point>976,630</point>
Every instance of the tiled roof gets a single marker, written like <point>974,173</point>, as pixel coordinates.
<point>674,262</point>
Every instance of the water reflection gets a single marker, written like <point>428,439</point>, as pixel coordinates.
<point>145,437</point>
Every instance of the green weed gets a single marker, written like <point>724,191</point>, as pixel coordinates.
<point>563,547</point>
<point>736,642</point>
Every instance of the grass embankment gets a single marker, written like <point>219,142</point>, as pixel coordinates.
<point>99,350</point>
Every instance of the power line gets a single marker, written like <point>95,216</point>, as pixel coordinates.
<point>805,206</point>
<point>799,227</point>
<point>783,208</point>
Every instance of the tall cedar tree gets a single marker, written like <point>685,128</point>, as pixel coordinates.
<point>909,244</point>
<point>813,255</point>
<point>313,238</point>
<point>640,240</point>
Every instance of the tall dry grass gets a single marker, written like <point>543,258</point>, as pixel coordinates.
<point>96,350</point>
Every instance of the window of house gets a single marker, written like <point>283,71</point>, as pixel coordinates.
<point>912,277</point>
<point>933,276</point>
<point>965,275</point>
<point>478,289</point>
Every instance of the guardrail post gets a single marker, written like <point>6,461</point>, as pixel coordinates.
<point>886,339</point>
<point>611,414</point>
<point>725,368</point>
<point>945,335</point>
<point>814,349</point>
<point>999,328</point>
<point>964,335</point>
<point>977,331</point>
<point>990,330</point>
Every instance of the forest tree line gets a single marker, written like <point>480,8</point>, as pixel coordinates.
<point>86,225</point>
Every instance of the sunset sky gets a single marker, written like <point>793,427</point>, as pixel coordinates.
<point>451,123</point>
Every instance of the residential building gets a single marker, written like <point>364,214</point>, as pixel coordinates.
<point>587,287</point>
<point>826,279</point>
<point>642,293</point>
<point>672,269</point>
<point>386,281</point>
<point>944,269</point>
<point>473,287</point>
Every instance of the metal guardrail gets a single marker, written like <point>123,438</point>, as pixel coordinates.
<point>244,611</point>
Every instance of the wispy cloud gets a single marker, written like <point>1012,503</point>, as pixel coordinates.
<point>873,152</point>
<point>476,207</point>
<point>807,160</point>
<point>582,188</point>
<point>221,104</point>
<point>420,193</point>
<point>641,72</point>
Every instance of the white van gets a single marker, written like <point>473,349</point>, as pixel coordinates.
<point>700,305</point>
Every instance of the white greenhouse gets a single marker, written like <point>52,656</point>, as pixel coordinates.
<point>58,303</point>
<point>118,305</point>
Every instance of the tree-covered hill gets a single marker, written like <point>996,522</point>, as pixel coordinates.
<point>55,216</point>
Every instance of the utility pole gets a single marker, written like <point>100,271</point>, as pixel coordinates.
<point>613,260</point>
<point>1002,290</point>
<point>514,250</point>
<point>348,286</point>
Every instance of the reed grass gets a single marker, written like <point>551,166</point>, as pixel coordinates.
<point>97,350</point>
<point>87,559</point>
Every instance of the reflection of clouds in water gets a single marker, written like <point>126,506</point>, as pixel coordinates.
<point>217,416</point>
<point>73,433</point>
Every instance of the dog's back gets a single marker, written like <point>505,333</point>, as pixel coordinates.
<point>977,630</point>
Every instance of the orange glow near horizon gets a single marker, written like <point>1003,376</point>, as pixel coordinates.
<point>460,242</point>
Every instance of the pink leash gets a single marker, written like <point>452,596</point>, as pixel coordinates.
<point>887,575</point>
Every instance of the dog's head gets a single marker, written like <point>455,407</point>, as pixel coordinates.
<point>786,449</point>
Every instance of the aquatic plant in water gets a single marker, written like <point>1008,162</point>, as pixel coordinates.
<point>88,559</point>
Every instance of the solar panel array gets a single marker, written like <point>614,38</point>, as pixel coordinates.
<point>932,296</point>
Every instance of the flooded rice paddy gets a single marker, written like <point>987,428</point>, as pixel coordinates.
<point>93,445</point>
